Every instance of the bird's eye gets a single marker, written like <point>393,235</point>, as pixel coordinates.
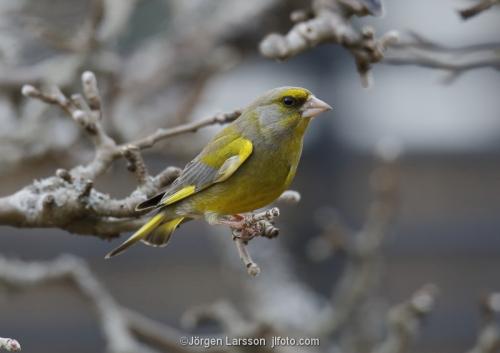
<point>289,101</point>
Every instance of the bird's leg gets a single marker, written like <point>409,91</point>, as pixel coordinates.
<point>233,221</point>
<point>236,221</point>
<point>247,227</point>
<point>244,228</point>
<point>241,226</point>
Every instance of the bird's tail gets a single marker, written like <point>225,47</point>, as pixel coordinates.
<point>156,232</point>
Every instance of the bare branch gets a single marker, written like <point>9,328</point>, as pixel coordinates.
<point>161,134</point>
<point>22,275</point>
<point>290,197</point>
<point>250,226</point>
<point>179,63</point>
<point>69,200</point>
<point>404,320</point>
<point>77,207</point>
<point>252,268</point>
<point>222,312</point>
<point>119,325</point>
<point>488,340</point>
<point>91,91</point>
<point>156,334</point>
<point>330,22</point>
<point>478,8</point>
<point>136,163</point>
<point>9,344</point>
<point>363,247</point>
<point>420,51</point>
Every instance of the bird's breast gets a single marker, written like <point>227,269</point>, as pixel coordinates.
<point>258,182</point>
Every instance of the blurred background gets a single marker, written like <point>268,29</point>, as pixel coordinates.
<point>162,63</point>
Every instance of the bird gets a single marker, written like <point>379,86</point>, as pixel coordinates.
<point>246,166</point>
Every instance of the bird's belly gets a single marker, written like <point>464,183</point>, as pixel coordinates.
<point>253,186</point>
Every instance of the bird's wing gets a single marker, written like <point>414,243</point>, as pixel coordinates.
<point>216,163</point>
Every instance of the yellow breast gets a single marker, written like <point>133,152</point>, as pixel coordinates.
<point>258,182</point>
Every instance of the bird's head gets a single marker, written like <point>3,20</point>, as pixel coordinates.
<point>288,107</point>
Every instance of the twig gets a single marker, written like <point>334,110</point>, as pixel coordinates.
<point>22,275</point>
<point>478,8</point>
<point>136,163</point>
<point>161,134</point>
<point>488,340</point>
<point>254,225</point>
<point>157,334</point>
<point>91,91</point>
<point>331,23</point>
<point>9,344</point>
<point>94,44</point>
<point>420,51</point>
<point>363,251</point>
<point>120,325</point>
<point>252,268</point>
<point>404,320</point>
<point>222,312</point>
<point>290,197</point>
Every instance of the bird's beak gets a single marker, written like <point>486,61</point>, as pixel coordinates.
<point>314,106</point>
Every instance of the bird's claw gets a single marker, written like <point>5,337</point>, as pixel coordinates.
<point>249,228</point>
<point>246,230</point>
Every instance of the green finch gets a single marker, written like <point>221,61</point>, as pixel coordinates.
<point>246,166</point>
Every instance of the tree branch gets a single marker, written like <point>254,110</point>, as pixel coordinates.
<point>478,8</point>
<point>119,325</point>
<point>404,320</point>
<point>420,51</point>
<point>362,248</point>
<point>488,340</point>
<point>9,344</point>
<point>68,200</point>
<point>330,21</point>
<point>161,134</point>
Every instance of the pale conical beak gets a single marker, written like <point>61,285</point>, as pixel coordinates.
<point>314,106</point>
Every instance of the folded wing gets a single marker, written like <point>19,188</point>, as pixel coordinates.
<point>220,159</point>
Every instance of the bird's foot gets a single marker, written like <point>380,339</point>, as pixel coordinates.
<point>247,227</point>
<point>236,221</point>
<point>240,226</point>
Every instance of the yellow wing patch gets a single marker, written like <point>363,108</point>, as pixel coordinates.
<point>224,162</point>
<point>216,157</point>
<point>179,195</point>
<point>233,163</point>
<point>246,149</point>
<point>227,169</point>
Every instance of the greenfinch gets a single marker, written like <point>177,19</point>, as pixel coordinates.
<point>246,166</point>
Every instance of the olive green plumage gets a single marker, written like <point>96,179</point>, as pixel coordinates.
<point>246,166</point>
